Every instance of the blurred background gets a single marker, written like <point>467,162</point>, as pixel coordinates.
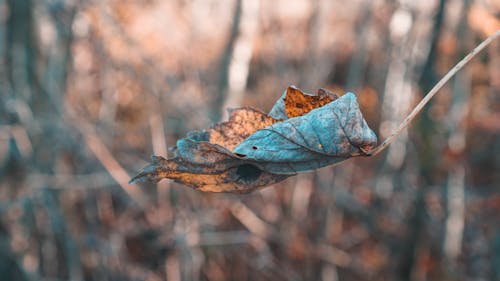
<point>90,89</point>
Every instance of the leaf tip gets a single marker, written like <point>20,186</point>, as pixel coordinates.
<point>137,179</point>
<point>141,177</point>
<point>152,172</point>
<point>145,176</point>
<point>350,95</point>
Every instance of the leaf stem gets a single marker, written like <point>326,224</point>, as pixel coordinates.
<point>406,122</point>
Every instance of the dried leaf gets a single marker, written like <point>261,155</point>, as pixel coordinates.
<point>252,150</point>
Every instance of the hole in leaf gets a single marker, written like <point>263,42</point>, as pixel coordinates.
<point>248,173</point>
<point>254,147</point>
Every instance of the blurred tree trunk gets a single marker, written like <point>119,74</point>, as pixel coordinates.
<point>223,83</point>
<point>457,134</point>
<point>58,55</point>
<point>416,241</point>
<point>235,60</point>
<point>239,64</point>
<point>9,267</point>
<point>21,50</point>
<point>33,90</point>
<point>18,83</point>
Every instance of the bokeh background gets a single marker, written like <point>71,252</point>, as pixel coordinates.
<point>89,89</point>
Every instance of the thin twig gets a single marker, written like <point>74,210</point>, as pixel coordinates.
<point>102,153</point>
<point>432,93</point>
<point>109,162</point>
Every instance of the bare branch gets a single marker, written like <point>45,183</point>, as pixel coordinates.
<point>432,93</point>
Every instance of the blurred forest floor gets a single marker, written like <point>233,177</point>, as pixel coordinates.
<point>90,89</point>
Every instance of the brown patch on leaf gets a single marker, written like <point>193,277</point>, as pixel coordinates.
<point>241,178</point>
<point>241,124</point>
<point>297,103</point>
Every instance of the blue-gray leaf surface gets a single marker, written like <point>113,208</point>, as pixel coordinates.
<point>254,149</point>
<point>324,136</point>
